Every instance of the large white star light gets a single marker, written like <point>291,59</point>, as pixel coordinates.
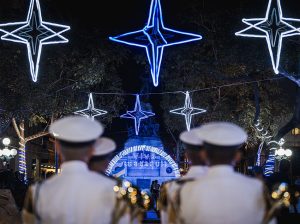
<point>91,111</point>
<point>154,37</point>
<point>34,32</point>
<point>137,114</point>
<point>188,111</point>
<point>274,27</point>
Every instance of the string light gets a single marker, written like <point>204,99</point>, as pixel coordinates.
<point>188,111</point>
<point>154,37</point>
<point>91,111</point>
<point>264,136</point>
<point>35,33</point>
<point>137,115</point>
<point>274,27</point>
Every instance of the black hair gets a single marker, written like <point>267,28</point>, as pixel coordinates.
<point>221,154</point>
<point>95,159</point>
<point>76,145</point>
<point>191,147</point>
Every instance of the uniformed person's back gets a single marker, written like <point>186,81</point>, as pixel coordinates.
<point>222,196</point>
<point>196,155</point>
<point>76,195</point>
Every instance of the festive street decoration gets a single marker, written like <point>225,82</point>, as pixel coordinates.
<point>154,37</point>
<point>264,137</point>
<point>137,114</point>
<point>274,27</point>
<point>143,149</point>
<point>188,111</point>
<point>91,111</point>
<point>20,131</point>
<point>34,32</point>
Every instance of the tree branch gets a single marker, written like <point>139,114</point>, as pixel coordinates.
<point>16,127</point>
<point>38,135</point>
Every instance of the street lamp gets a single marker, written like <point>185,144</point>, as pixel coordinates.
<point>281,153</point>
<point>6,141</point>
<point>8,152</point>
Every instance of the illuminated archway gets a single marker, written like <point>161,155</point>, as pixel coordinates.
<point>143,162</point>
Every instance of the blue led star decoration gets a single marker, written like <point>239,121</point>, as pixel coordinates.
<point>35,33</point>
<point>137,114</point>
<point>91,112</point>
<point>154,37</point>
<point>188,111</point>
<point>274,27</point>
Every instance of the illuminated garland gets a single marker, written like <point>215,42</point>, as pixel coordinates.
<point>22,160</point>
<point>188,111</point>
<point>264,136</point>
<point>35,33</point>
<point>143,148</point>
<point>274,27</point>
<point>154,37</point>
<point>137,114</point>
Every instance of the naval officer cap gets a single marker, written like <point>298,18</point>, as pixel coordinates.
<point>222,134</point>
<point>76,129</point>
<point>104,146</point>
<point>191,139</point>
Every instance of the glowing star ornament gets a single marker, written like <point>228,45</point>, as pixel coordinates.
<point>188,111</point>
<point>154,37</point>
<point>137,115</point>
<point>274,27</point>
<point>91,111</point>
<point>35,33</point>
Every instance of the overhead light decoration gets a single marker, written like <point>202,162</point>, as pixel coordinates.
<point>34,32</point>
<point>91,111</point>
<point>154,37</point>
<point>137,114</point>
<point>274,27</point>
<point>188,111</point>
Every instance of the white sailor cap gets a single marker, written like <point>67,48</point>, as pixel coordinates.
<point>191,137</point>
<point>104,146</point>
<point>76,129</point>
<point>222,134</point>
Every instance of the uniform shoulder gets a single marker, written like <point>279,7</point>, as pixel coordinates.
<point>250,180</point>
<point>101,177</point>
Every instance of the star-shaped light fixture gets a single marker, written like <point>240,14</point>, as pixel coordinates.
<point>91,111</point>
<point>188,111</point>
<point>35,33</point>
<point>154,37</point>
<point>274,27</point>
<point>137,114</point>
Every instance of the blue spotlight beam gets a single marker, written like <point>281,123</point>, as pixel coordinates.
<point>34,33</point>
<point>137,114</point>
<point>91,112</point>
<point>274,27</point>
<point>188,111</point>
<point>154,37</point>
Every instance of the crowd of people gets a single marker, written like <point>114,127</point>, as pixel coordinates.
<point>210,193</point>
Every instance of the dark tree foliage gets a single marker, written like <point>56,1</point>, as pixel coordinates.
<point>90,63</point>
